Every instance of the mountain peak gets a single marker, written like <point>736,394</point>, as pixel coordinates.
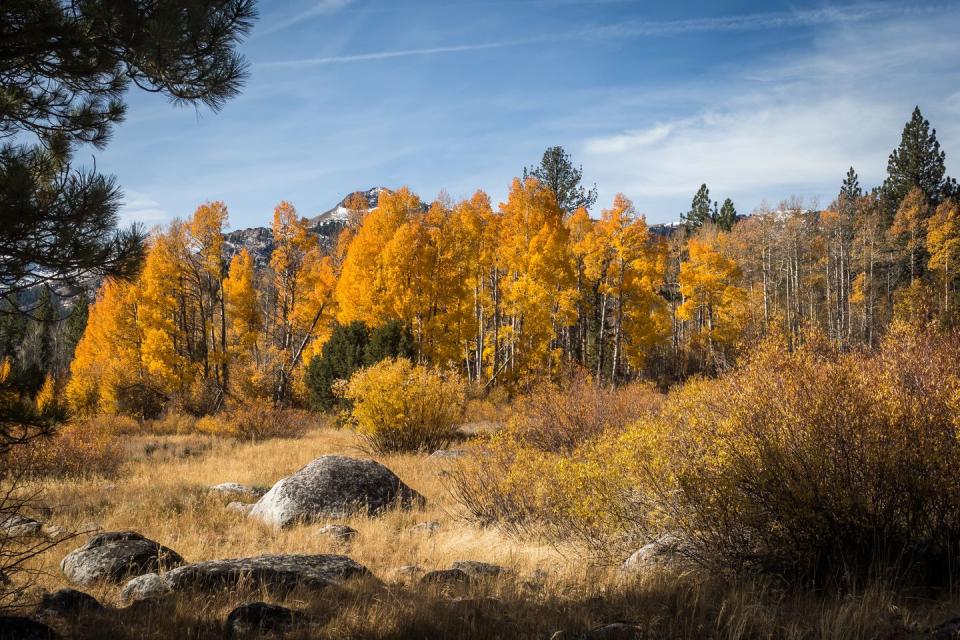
<point>340,214</point>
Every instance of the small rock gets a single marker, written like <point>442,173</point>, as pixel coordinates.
<point>428,527</point>
<point>410,569</point>
<point>68,602</point>
<point>17,628</point>
<point>445,576</point>
<point>260,618</point>
<point>656,553</point>
<point>235,488</point>
<point>477,569</point>
<point>149,586</point>
<point>240,507</point>
<point>339,532</point>
<point>55,532</point>
<point>115,556</point>
<point>18,526</point>
<point>448,453</point>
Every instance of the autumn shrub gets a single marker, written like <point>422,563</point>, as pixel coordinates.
<point>400,406</point>
<point>254,422</point>
<point>559,418</point>
<point>821,468</point>
<point>811,464</point>
<point>557,468</point>
<point>76,449</point>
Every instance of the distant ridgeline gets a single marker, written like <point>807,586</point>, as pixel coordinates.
<point>258,241</point>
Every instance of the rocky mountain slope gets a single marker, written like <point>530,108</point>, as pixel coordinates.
<point>259,240</point>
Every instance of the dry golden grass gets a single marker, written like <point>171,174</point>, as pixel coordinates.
<point>161,493</point>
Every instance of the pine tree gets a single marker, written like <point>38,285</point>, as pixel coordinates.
<point>850,190</point>
<point>700,211</point>
<point>917,163</point>
<point>342,354</point>
<point>556,172</point>
<point>64,70</point>
<point>727,216</point>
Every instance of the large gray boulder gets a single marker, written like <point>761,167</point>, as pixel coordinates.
<point>114,556</point>
<point>333,487</point>
<point>276,573</point>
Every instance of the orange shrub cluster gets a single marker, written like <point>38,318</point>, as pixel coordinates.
<point>76,449</point>
<point>813,465</point>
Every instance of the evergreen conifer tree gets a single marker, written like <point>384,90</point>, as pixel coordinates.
<point>557,172</point>
<point>700,211</point>
<point>917,162</point>
<point>727,216</point>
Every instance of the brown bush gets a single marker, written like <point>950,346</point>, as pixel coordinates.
<point>256,421</point>
<point>811,464</point>
<point>560,418</point>
<point>76,449</point>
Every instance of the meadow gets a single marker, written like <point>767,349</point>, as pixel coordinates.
<point>161,489</point>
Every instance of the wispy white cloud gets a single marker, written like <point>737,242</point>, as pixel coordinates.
<point>793,124</point>
<point>318,8</point>
<point>384,55</point>
<point>624,30</point>
<point>138,207</point>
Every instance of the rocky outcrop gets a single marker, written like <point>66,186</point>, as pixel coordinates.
<point>333,487</point>
<point>115,556</point>
<point>277,573</point>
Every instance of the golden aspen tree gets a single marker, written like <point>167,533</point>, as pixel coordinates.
<point>538,295</point>
<point>248,378</point>
<point>361,289</point>
<point>302,288</point>
<point>635,275</point>
<point>107,358</point>
<point>204,260</point>
<point>468,254</point>
<point>314,315</point>
<point>585,254</point>
<point>711,297</point>
<point>167,315</point>
<point>943,243</point>
<point>243,310</point>
<point>908,228</point>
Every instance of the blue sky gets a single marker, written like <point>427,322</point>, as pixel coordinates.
<point>760,100</point>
